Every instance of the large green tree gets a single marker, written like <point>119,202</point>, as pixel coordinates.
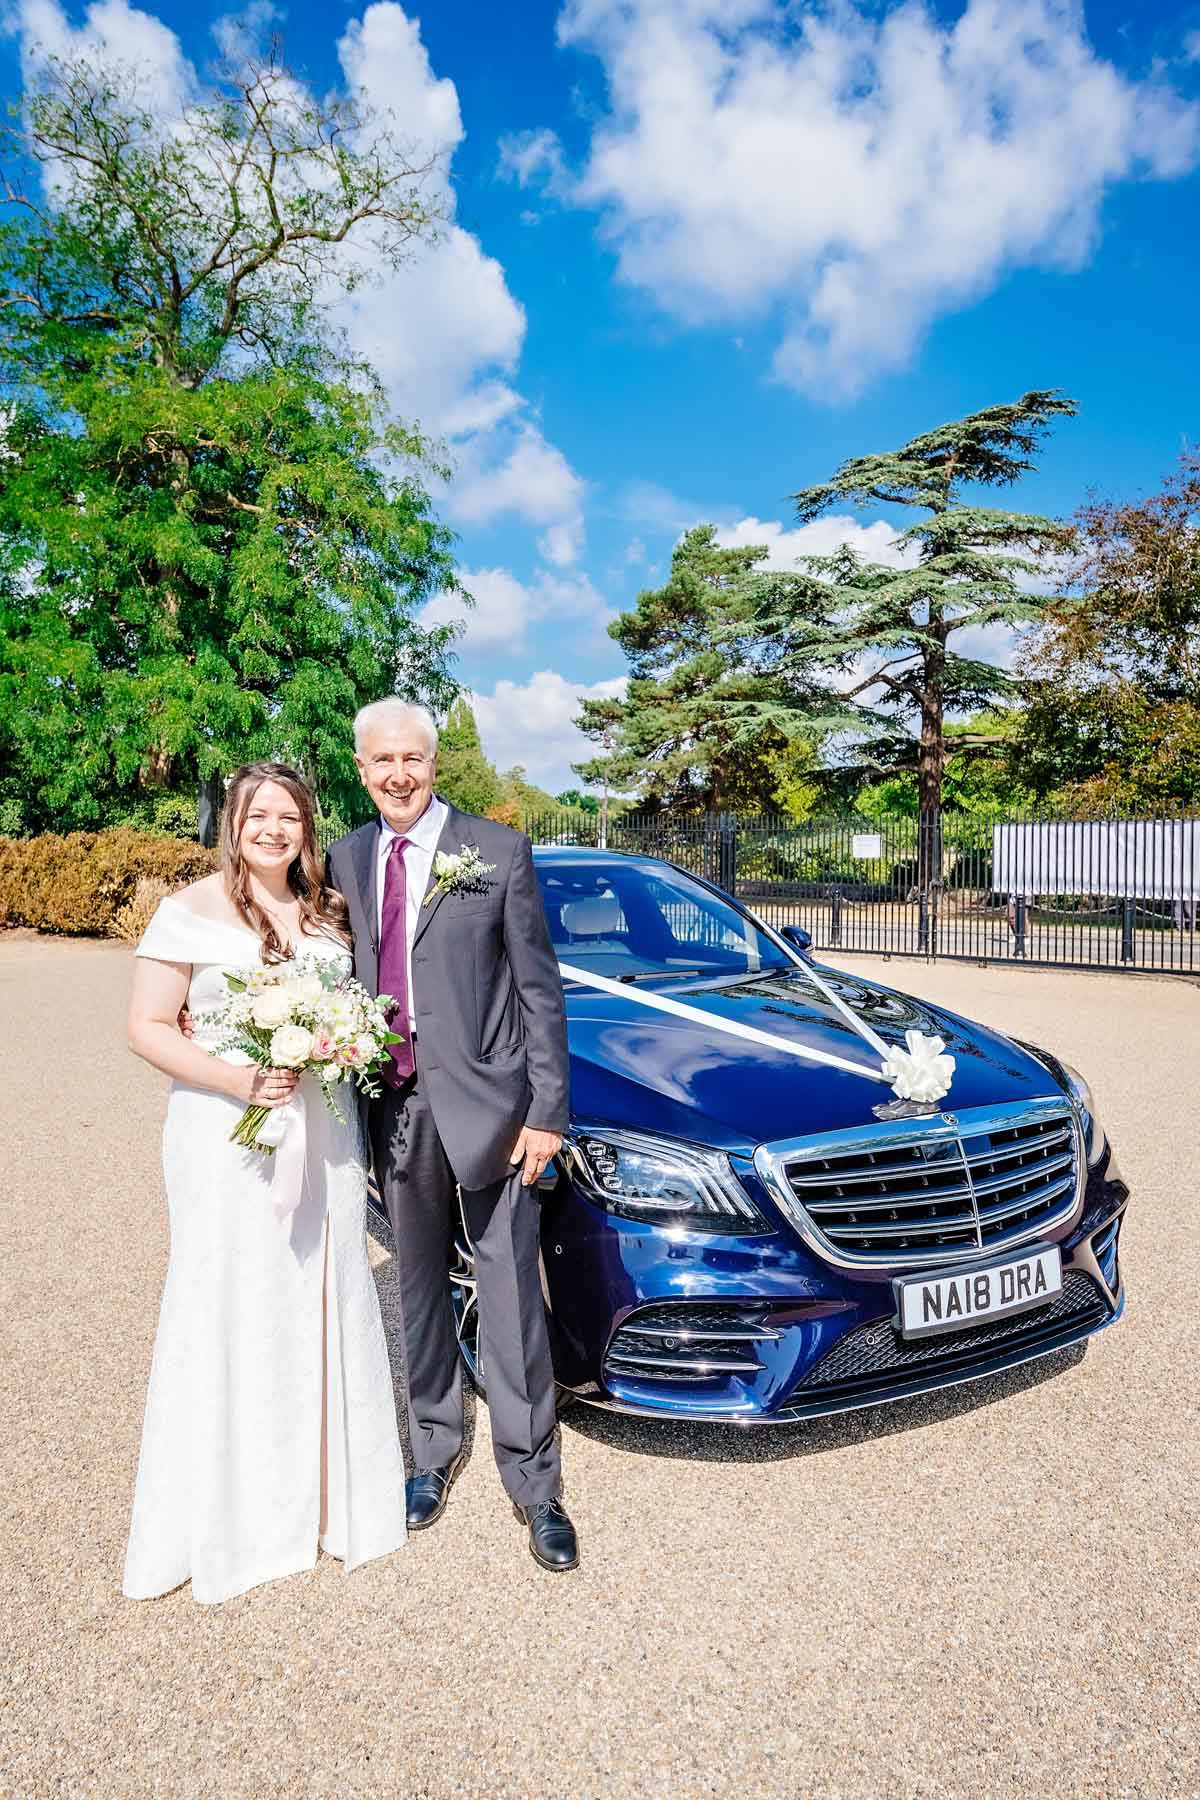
<point>883,638</point>
<point>1113,714</point>
<point>213,540</point>
<point>704,724</point>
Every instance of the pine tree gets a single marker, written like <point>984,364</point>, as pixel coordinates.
<point>970,561</point>
<point>702,717</point>
<point>464,774</point>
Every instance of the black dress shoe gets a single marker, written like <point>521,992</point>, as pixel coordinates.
<point>426,1494</point>
<point>551,1534</point>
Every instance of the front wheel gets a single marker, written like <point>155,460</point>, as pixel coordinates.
<point>465,1303</point>
<point>464,1300</point>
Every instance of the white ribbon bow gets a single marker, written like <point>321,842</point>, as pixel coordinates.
<point>285,1127</point>
<point>923,1071</point>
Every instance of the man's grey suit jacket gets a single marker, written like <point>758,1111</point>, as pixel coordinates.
<point>487,996</point>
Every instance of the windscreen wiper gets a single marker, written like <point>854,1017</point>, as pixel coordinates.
<point>659,974</point>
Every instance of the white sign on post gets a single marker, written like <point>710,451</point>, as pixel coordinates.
<point>867,845</point>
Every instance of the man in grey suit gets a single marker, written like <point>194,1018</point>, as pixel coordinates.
<point>475,1099</point>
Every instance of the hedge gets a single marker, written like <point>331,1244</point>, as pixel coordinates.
<point>92,883</point>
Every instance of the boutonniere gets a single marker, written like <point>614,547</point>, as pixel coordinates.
<point>461,873</point>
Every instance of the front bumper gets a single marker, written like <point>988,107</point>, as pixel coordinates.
<point>768,1333</point>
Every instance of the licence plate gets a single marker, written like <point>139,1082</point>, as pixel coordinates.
<point>932,1303</point>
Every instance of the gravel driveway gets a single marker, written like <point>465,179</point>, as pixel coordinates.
<point>987,1592</point>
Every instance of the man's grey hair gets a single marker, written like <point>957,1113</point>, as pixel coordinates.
<point>393,711</point>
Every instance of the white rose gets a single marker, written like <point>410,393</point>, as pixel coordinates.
<point>341,1014</point>
<point>305,990</point>
<point>330,1072</point>
<point>367,1047</point>
<point>444,863</point>
<point>291,1045</point>
<point>271,1008</point>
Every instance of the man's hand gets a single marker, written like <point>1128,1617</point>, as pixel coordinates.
<point>535,1148</point>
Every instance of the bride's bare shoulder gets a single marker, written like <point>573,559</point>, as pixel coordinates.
<point>206,898</point>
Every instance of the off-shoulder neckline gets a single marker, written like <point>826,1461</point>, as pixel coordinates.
<point>243,930</point>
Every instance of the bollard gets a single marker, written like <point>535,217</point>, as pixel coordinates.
<point>835,917</point>
<point>1127,912</point>
<point>1019,926</point>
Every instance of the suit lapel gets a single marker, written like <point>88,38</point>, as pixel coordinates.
<point>364,855</point>
<point>451,839</point>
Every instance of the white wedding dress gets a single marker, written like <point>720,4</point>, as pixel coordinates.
<point>229,1478</point>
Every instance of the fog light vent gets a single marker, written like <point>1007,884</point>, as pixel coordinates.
<point>693,1343</point>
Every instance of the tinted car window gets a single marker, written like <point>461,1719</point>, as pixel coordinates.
<point>620,919</point>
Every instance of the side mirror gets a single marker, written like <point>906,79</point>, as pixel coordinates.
<point>797,937</point>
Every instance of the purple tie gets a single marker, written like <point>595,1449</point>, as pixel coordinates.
<point>393,961</point>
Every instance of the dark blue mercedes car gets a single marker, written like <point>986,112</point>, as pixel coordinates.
<point>732,1233</point>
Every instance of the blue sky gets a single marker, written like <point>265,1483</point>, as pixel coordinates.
<point>699,251</point>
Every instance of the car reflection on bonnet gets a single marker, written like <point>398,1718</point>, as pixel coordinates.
<point>732,1233</point>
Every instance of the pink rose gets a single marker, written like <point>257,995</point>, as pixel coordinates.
<point>323,1047</point>
<point>349,1056</point>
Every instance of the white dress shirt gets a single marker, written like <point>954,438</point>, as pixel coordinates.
<point>418,864</point>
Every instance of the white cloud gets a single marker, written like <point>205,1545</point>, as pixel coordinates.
<point>498,616</point>
<point>856,171</point>
<point>532,723</point>
<point>875,542</point>
<point>527,156</point>
<point>113,29</point>
<point>446,334</point>
<point>382,57</point>
<point>532,478</point>
<point>650,504</point>
<point>241,34</point>
<point>505,608</point>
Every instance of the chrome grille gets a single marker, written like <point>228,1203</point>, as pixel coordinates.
<point>928,1190</point>
<point>688,1343</point>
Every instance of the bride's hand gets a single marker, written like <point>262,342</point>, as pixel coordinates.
<point>263,1087</point>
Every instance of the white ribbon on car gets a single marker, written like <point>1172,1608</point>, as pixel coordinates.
<point>285,1130</point>
<point>922,1071</point>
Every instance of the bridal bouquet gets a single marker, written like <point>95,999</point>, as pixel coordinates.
<point>303,1015</point>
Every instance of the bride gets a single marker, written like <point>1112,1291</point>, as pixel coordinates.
<point>270,1426</point>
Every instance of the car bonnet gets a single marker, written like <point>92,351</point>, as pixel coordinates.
<point>686,1077</point>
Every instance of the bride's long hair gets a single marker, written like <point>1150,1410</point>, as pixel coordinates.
<point>321,906</point>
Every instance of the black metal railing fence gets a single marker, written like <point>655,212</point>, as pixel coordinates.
<point>1039,888</point>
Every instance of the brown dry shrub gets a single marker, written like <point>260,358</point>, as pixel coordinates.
<point>80,884</point>
<point>506,812</point>
<point>136,914</point>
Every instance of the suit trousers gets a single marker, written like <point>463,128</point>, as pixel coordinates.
<point>420,1194</point>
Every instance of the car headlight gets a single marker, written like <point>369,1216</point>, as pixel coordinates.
<point>1094,1140</point>
<point>663,1182</point>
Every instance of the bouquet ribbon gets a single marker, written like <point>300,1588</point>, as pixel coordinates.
<point>285,1130</point>
<point>921,1071</point>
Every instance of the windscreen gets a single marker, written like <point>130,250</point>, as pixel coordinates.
<point>626,919</point>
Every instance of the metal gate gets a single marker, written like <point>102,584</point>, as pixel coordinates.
<point>1038,889</point>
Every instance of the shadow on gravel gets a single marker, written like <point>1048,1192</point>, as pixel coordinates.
<point>811,1437</point>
